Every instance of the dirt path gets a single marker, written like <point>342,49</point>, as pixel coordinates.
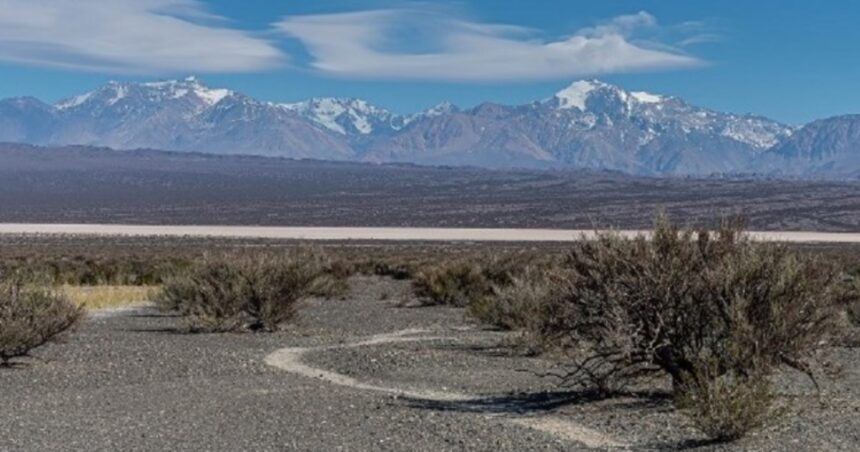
<point>290,360</point>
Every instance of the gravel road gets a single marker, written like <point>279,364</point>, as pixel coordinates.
<point>129,381</point>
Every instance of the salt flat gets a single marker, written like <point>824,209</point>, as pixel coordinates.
<point>377,233</point>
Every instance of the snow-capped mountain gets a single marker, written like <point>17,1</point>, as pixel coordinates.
<point>356,117</point>
<point>346,116</point>
<point>189,90</point>
<point>588,124</point>
<point>183,115</point>
<point>596,97</point>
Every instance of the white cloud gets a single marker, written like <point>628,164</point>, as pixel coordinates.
<point>369,45</point>
<point>128,36</point>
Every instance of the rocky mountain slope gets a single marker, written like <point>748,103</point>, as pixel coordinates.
<point>589,124</point>
<point>827,147</point>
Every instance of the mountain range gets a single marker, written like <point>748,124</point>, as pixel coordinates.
<point>588,125</point>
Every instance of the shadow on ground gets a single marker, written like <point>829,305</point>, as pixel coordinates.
<point>528,403</point>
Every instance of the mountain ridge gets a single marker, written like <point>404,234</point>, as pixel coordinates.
<point>589,124</point>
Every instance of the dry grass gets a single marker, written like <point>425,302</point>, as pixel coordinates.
<point>106,297</point>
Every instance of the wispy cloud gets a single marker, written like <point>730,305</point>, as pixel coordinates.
<point>696,32</point>
<point>369,44</point>
<point>128,36</point>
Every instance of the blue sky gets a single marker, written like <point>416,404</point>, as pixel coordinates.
<point>790,60</point>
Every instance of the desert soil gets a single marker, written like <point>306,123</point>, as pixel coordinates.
<point>361,373</point>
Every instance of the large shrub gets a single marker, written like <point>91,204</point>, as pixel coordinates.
<point>231,293</point>
<point>466,281</point>
<point>701,307</point>
<point>31,315</point>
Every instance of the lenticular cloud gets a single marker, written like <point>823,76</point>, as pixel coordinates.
<point>361,44</point>
<point>128,36</point>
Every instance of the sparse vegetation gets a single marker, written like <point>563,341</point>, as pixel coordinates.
<point>727,406</point>
<point>98,269</point>
<point>713,314</point>
<point>254,293</point>
<point>31,315</point>
<point>472,280</point>
<point>333,281</point>
<point>457,283</point>
<point>681,302</point>
<point>517,305</point>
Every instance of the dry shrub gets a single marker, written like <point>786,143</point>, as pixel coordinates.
<point>854,313</point>
<point>683,301</point>
<point>333,281</point>
<point>31,315</point>
<point>467,281</point>
<point>456,283</point>
<point>517,305</point>
<point>257,293</point>
<point>727,406</point>
<point>97,268</point>
<point>398,271</point>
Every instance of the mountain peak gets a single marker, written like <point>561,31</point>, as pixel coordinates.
<point>577,94</point>
<point>190,84</point>
<point>343,115</point>
<point>440,109</point>
<point>114,92</point>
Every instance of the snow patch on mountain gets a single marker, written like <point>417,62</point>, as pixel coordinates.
<point>575,95</point>
<point>443,108</point>
<point>759,133</point>
<point>177,89</point>
<point>73,101</point>
<point>342,115</point>
<point>646,98</point>
<point>120,92</point>
<point>212,96</point>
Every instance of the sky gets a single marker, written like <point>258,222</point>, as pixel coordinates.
<point>792,61</point>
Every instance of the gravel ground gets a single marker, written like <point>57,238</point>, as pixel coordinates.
<point>129,381</point>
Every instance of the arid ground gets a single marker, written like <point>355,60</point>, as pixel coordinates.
<point>88,185</point>
<point>367,372</point>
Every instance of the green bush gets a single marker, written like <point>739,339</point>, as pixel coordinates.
<point>683,301</point>
<point>31,315</point>
<point>234,293</point>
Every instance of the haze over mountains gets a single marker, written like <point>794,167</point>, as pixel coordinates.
<point>589,124</point>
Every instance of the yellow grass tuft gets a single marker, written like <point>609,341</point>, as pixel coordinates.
<point>104,297</point>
